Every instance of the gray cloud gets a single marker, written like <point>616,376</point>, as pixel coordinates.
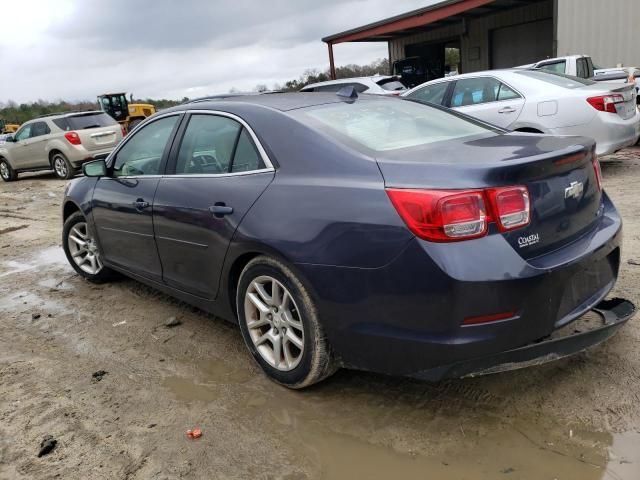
<point>165,48</point>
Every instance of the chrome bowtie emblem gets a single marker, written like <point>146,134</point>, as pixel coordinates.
<point>574,190</point>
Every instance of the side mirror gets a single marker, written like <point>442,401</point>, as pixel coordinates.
<point>9,138</point>
<point>95,168</point>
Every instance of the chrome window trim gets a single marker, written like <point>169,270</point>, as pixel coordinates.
<point>263,154</point>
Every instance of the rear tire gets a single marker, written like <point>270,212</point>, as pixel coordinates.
<point>288,318</point>
<point>7,173</point>
<point>81,250</point>
<point>62,167</point>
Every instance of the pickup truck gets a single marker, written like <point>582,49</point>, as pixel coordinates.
<point>575,65</point>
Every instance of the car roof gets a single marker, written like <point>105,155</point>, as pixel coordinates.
<point>277,101</point>
<point>372,78</point>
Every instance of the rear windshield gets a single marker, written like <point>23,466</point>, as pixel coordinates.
<point>557,79</point>
<point>84,121</point>
<point>390,125</point>
<point>392,85</point>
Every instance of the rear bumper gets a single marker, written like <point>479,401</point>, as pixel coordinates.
<point>613,314</point>
<point>407,317</point>
<point>610,132</point>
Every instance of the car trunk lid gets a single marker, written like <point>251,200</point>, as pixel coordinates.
<point>626,108</point>
<point>558,172</point>
<point>97,130</point>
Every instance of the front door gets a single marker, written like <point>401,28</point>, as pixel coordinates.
<point>123,201</point>
<point>20,151</point>
<point>214,176</point>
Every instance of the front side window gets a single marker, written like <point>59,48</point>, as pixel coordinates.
<point>431,93</point>
<point>216,145</point>
<point>142,153</point>
<point>23,133</point>
<point>473,91</point>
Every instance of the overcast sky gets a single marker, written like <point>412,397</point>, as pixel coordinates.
<point>76,49</point>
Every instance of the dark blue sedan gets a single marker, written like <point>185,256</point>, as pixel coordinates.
<point>370,233</point>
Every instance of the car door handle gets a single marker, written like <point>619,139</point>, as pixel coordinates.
<point>220,210</point>
<point>140,204</point>
<point>507,110</point>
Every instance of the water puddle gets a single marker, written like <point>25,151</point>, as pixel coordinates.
<point>48,256</point>
<point>360,432</point>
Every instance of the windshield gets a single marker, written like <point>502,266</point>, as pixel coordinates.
<point>390,125</point>
<point>557,79</point>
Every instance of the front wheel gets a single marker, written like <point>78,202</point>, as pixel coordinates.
<point>62,167</point>
<point>82,251</point>
<point>7,173</point>
<point>280,325</point>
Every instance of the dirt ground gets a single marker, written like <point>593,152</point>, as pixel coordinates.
<point>574,419</point>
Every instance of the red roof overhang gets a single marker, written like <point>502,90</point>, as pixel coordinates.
<point>414,19</point>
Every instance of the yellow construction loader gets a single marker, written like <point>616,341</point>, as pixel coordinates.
<point>127,114</point>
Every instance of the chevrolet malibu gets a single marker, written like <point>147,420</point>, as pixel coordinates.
<point>370,233</point>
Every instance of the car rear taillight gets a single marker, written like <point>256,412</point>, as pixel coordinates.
<point>454,215</point>
<point>73,138</point>
<point>606,103</point>
<point>596,168</point>
<point>511,207</point>
<point>124,131</point>
<point>442,215</point>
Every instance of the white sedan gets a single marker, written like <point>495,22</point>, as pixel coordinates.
<point>541,102</point>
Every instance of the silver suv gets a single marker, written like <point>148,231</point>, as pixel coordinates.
<point>60,142</point>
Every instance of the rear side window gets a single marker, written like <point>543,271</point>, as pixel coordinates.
<point>389,125</point>
<point>556,67</point>
<point>85,121</point>
<point>246,157</point>
<point>216,145</point>
<point>582,68</point>
<point>431,93</point>
<point>39,129</point>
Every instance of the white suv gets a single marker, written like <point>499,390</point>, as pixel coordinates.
<point>60,142</point>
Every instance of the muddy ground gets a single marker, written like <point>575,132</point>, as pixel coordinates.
<point>574,419</point>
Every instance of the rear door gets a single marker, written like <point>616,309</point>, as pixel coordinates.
<point>123,201</point>
<point>216,173</point>
<point>488,99</point>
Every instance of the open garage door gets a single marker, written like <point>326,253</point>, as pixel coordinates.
<point>521,44</point>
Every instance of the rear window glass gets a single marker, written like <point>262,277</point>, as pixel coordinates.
<point>557,79</point>
<point>390,125</point>
<point>82,122</point>
<point>392,85</point>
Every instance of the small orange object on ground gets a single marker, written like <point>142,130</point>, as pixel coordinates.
<point>195,433</point>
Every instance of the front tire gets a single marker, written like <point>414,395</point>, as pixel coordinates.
<point>280,326</point>
<point>82,251</point>
<point>7,173</point>
<point>62,167</point>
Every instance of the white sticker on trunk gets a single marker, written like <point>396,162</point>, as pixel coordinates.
<point>528,241</point>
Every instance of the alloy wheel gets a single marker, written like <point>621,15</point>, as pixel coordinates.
<point>60,166</point>
<point>4,171</point>
<point>274,323</point>
<point>83,249</point>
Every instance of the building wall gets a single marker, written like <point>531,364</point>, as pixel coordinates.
<point>606,30</point>
<point>475,45</point>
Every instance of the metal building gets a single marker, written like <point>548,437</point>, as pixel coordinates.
<point>488,34</point>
